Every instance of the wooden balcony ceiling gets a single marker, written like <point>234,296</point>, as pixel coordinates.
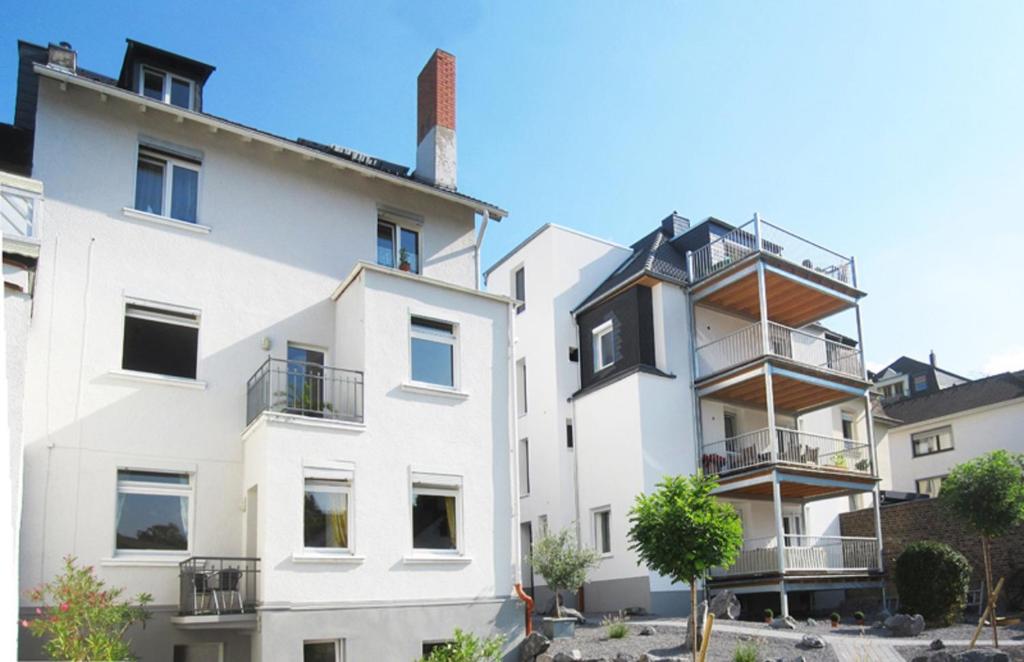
<point>841,579</point>
<point>790,301</point>
<point>844,483</point>
<point>791,395</point>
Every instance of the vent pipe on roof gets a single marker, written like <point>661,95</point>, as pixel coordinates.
<point>931,358</point>
<point>435,121</point>
<point>63,56</point>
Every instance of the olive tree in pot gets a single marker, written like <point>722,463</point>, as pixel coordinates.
<point>564,565</point>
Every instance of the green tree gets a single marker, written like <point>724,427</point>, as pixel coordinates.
<point>681,531</point>
<point>82,619</point>
<point>932,579</point>
<point>562,563</point>
<point>466,647</point>
<point>987,493</point>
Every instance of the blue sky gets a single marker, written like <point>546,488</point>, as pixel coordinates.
<point>890,131</point>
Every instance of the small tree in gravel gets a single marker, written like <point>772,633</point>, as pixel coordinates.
<point>681,531</point>
<point>562,563</point>
<point>932,580</point>
<point>988,494</point>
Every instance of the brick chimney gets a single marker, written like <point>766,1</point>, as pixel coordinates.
<point>435,121</point>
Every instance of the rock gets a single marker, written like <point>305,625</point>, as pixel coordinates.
<point>647,631</point>
<point>651,657</point>
<point>784,623</point>
<point>983,655</point>
<point>884,614</point>
<point>574,656</point>
<point>624,657</point>
<point>811,622</point>
<point>702,615</point>
<point>936,645</point>
<point>905,625</point>
<point>812,641</point>
<point>878,624</point>
<point>569,612</point>
<point>935,656</point>
<point>533,646</point>
<point>725,605</point>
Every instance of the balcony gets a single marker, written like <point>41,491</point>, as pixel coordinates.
<point>794,447</point>
<point>217,592</point>
<point>804,282</point>
<point>799,347</point>
<point>305,389</point>
<point>804,555</point>
<point>17,208</point>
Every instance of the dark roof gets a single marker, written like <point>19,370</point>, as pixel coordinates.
<point>906,366</point>
<point>961,397</point>
<point>653,255</point>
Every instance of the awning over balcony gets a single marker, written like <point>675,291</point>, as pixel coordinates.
<point>796,387</point>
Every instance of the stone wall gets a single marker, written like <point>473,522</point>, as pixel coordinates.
<point>904,523</point>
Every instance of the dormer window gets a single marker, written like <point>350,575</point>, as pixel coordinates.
<point>167,87</point>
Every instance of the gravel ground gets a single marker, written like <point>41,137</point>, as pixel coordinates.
<point>592,641</point>
<point>1015,652</point>
<point>957,631</point>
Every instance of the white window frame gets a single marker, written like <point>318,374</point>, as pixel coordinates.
<point>524,467</point>
<point>327,481</point>
<point>542,524</point>
<point>933,432</point>
<point>520,303</point>
<point>156,489</point>
<point>851,418</point>
<point>396,240</point>
<point>339,647</point>
<point>597,334</point>
<point>438,337</point>
<point>437,485</point>
<point>153,316</point>
<point>166,91</point>
<point>595,515</point>
<point>168,163</point>
<point>917,484</point>
<point>522,401</point>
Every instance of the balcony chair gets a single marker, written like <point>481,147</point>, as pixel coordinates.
<point>202,591</point>
<point>226,590</point>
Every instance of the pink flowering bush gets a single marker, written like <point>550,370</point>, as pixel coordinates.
<point>82,619</point>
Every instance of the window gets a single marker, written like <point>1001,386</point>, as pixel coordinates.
<point>435,516</point>
<point>729,419</point>
<point>602,531</point>
<point>574,355</point>
<point>604,346</point>
<point>431,646</point>
<point>524,467</point>
<point>542,524</point>
<point>891,391</point>
<point>322,651</point>
<point>433,352</point>
<point>153,511</point>
<point>160,341</point>
<point>920,383</point>
<point>569,440</point>
<point>930,486</point>
<point>305,381</point>
<point>206,652</point>
<point>848,429</point>
<point>398,246</point>
<point>326,514</point>
<point>167,88</point>
<point>167,185</point>
<point>932,441</point>
<point>519,288</point>
<point>521,387</point>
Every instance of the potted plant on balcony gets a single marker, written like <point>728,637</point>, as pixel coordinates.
<point>403,260</point>
<point>839,461</point>
<point>863,465</point>
<point>834,619</point>
<point>769,616</point>
<point>858,616</point>
<point>564,566</point>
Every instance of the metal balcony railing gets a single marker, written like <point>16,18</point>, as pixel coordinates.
<point>18,212</point>
<point>791,446</point>
<point>804,554</point>
<point>760,235</point>
<point>215,585</point>
<point>305,389</point>
<point>748,344</point>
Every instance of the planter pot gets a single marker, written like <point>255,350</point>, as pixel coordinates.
<point>559,628</point>
<point>405,266</point>
<point>835,624</point>
<point>767,620</point>
<point>860,621</point>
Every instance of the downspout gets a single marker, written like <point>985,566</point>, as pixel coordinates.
<point>479,244</point>
<point>576,436</point>
<point>513,452</point>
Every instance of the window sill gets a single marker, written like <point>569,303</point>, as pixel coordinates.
<point>153,378</point>
<point>430,389</point>
<point>144,561</point>
<point>424,558</point>
<point>326,557</point>
<point>165,221</point>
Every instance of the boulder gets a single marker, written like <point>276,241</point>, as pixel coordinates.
<point>624,657</point>
<point>936,645</point>
<point>647,631</point>
<point>784,623</point>
<point>905,625</point>
<point>533,646</point>
<point>569,612</point>
<point>702,615</point>
<point>812,641</point>
<point>983,655</point>
<point>573,656</point>
<point>812,623</point>
<point>934,656</point>
<point>725,604</point>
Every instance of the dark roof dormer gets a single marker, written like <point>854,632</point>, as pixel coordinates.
<point>164,76</point>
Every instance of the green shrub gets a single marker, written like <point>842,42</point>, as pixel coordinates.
<point>769,614</point>
<point>467,647</point>
<point>835,617</point>
<point>745,653</point>
<point>615,626</point>
<point>932,580</point>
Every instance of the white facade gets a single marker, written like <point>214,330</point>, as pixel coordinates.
<point>278,229</point>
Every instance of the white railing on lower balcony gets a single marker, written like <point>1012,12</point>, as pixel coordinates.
<point>804,554</point>
<point>792,447</point>
<point>18,212</point>
<point>748,343</point>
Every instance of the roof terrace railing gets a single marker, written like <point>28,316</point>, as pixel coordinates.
<point>760,235</point>
<point>305,389</point>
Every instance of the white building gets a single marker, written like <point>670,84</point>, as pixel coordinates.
<point>939,420</point>
<point>260,381</point>
<point>622,348</point>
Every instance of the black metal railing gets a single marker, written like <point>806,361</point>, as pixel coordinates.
<point>305,389</point>
<point>213,585</point>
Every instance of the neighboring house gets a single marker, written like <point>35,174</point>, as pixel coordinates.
<point>694,348</point>
<point>908,378</point>
<point>260,382</point>
<point>927,434</point>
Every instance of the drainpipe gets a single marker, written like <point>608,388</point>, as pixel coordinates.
<point>479,245</point>
<point>513,448</point>
<point>528,601</point>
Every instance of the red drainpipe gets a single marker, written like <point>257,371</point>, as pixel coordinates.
<point>529,607</point>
